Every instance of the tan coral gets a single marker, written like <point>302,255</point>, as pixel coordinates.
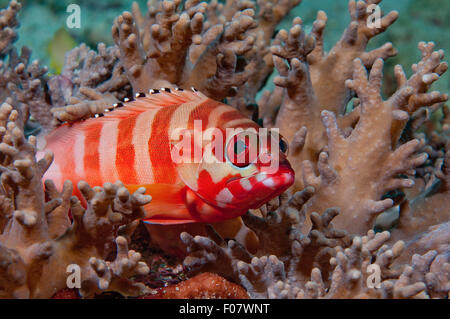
<point>22,85</point>
<point>268,14</point>
<point>87,78</point>
<point>80,109</point>
<point>423,219</point>
<point>315,80</point>
<point>353,274</point>
<point>370,152</point>
<point>109,276</point>
<point>8,22</point>
<point>22,81</point>
<point>89,83</point>
<point>330,71</point>
<point>367,267</point>
<point>157,53</point>
<point>358,163</point>
<point>35,248</point>
<point>283,249</point>
<point>352,277</point>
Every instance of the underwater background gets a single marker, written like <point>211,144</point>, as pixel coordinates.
<point>43,28</point>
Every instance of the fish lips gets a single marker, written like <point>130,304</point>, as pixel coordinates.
<point>255,190</point>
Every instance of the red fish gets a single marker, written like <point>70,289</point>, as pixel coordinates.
<point>135,143</point>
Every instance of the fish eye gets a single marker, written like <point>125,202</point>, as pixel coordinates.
<point>284,146</point>
<point>240,146</point>
<point>240,149</point>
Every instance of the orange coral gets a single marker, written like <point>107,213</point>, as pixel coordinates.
<point>206,285</point>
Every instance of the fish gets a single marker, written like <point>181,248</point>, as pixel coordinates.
<point>143,143</point>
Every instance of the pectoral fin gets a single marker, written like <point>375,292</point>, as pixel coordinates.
<point>167,206</point>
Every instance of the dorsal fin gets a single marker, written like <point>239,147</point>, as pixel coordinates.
<point>155,99</point>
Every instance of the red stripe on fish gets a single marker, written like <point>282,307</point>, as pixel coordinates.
<point>91,155</point>
<point>159,147</point>
<point>201,112</point>
<point>125,151</point>
<point>228,117</point>
<point>67,167</point>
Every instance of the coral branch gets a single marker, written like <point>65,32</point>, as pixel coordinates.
<point>315,80</point>
<point>113,276</point>
<point>383,162</point>
<point>8,22</point>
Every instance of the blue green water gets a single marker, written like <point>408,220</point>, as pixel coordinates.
<point>420,20</point>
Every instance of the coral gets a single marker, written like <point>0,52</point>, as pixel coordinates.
<point>167,237</point>
<point>383,162</point>
<point>309,99</point>
<point>157,53</point>
<point>88,83</point>
<point>38,242</point>
<point>203,286</point>
<point>422,222</point>
<point>8,22</point>
<point>314,81</point>
<point>22,82</point>
<point>283,246</point>
<point>348,274</point>
<point>351,274</point>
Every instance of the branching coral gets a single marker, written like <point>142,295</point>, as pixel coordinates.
<point>315,80</point>
<point>361,146</point>
<point>8,23</point>
<point>284,249</point>
<point>353,277</point>
<point>21,85</point>
<point>38,242</point>
<point>310,98</point>
<point>175,48</point>
<point>383,162</point>
<point>349,273</point>
<point>423,220</point>
<point>268,14</point>
<point>88,83</point>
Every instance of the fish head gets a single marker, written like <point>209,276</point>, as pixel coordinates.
<point>238,169</point>
<point>256,169</point>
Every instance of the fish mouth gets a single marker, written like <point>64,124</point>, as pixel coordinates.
<point>284,175</point>
<point>257,189</point>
